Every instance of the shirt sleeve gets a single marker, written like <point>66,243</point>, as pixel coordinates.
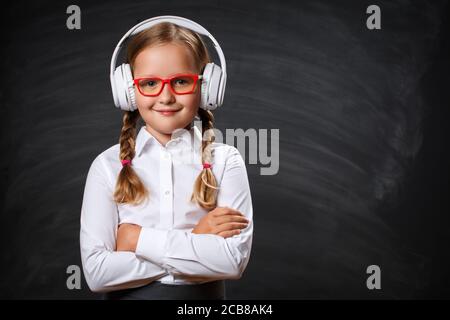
<point>104,268</point>
<point>207,255</point>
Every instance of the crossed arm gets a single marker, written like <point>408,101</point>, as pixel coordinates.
<point>221,221</point>
<point>125,256</point>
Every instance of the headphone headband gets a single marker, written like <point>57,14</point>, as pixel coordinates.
<point>180,21</point>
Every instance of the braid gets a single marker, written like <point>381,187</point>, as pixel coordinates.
<point>205,186</point>
<point>127,135</point>
<point>129,188</point>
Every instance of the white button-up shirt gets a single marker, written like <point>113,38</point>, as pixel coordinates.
<point>166,251</point>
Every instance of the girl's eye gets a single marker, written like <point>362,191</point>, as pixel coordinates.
<point>149,83</point>
<point>180,81</point>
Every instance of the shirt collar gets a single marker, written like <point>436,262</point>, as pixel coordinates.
<point>144,137</point>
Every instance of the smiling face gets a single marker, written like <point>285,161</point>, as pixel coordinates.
<point>164,61</point>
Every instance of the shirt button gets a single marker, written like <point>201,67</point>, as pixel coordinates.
<point>167,192</point>
<point>166,156</point>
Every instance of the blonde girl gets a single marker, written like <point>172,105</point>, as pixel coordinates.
<point>166,212</point>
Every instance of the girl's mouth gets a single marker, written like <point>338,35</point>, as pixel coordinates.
<point>167,112</point>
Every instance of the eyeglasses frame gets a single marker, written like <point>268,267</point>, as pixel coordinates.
<point>196,77</point>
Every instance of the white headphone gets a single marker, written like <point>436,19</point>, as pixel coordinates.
<point>213,81</point>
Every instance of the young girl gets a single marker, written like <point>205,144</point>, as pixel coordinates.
<point>166,214</point>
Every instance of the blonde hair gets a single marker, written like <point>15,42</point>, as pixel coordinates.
<point>129,188</point>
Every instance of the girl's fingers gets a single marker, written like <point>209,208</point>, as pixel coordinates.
<point>223,211</point>
<point>230,233</point>
<point>231,226</point>
<point>230,218</point>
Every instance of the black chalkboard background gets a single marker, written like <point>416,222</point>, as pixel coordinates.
<point>364,161</point>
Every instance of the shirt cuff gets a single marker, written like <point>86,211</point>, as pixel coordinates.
<point>151,245</point>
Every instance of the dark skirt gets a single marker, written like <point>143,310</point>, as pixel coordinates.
<point>214,290</point>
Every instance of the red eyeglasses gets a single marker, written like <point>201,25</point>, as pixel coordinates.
<point>178,84</point>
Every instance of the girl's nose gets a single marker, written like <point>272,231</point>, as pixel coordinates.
<point>166,96</point>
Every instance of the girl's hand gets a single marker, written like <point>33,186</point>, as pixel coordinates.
<point>127,237</point>
<point>222,221</point>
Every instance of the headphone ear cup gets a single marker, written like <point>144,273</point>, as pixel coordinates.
<point>206,75</point>
<point>210,87</point>
<point>114,88</point>
<point>123,91</point>
<point>131,97</point>
<point>118,90</point>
